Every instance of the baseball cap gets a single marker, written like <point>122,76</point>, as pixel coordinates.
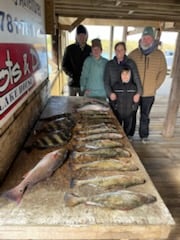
<point>148,31</point>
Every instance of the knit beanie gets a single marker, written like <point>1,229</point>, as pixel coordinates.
<point>81,29</point>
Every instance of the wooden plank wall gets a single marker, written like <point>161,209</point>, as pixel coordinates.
<point>161,158</point>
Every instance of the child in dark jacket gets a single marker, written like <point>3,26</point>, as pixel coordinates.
<point>125,104</point>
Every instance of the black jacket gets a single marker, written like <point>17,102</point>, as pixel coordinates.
<point>124,104</point>
<point>73,60</point>
<point>112,74</point>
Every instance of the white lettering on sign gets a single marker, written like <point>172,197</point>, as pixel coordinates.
<point>12,96</point>
<point>12,73</point>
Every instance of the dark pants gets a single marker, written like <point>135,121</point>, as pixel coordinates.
<point>75,91</point>
<point>126,124</point>
<point>145,105</point>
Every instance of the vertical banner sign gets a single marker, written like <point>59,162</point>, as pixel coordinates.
<point>23,55</point>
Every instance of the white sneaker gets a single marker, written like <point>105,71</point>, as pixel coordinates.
<point>144,140</point>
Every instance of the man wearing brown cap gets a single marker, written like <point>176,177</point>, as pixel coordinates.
<point>73,60</point>
<point>151,64</point>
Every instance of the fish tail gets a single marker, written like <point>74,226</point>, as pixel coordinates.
<point>72,200</point>
<point>14,194</point>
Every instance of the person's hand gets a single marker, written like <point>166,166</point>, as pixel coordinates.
<point>136,98</point>
<point>113,96</point>
<point>86,93</point>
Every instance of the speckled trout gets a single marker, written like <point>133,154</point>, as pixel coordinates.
<point>43,169</point>
<point>94,154</point>
<point>109,182</point>
<point>97,144</point>
<point>124,164</point>
<point>122,200</point>
<point>100,136</point>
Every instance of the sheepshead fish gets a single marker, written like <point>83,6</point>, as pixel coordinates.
<point>59,124</point>
<point>97,144</point>
<point>97,136</point>
<point>109,182</point>
<point>53,139</point>
<point>102,152</point>
<point>43,169</point>
<point>106,165</point>
<point>93,107</point>
<point>121,200</point>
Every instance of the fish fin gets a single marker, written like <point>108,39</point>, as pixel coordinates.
<point>73,183</point>
<point>14,194</point>
<point>71,199</point>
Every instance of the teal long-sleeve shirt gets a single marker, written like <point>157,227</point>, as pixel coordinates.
<point>92,77</point>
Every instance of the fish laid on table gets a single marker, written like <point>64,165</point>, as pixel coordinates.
<point>121,200</point>
<point>121,180</point>
<point>93,122</point>
<point>59,124</point>
<point>53,117</point>
<point>42,170</point>
<point>100,136</point>
<point>93,107</point>
<point>109,164</point>
<point>98,130</point>
<point>93,101</point>
<point>92,113</point>
<point>81,126</point>
<point>53,139</point>
<point>97,144</point>
<point>102,152</point>
<point>94,116</point>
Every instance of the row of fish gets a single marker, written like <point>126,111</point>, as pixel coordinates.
<point>97,147</point>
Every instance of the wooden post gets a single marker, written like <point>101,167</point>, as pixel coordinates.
<point>111,42</point>
<point>174,99</point>
<point>124,37</point>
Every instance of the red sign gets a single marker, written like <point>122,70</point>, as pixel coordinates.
<point>18,63</point>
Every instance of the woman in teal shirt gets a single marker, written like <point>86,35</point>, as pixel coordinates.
<point>92,75</point>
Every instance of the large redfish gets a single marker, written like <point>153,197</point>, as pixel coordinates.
<point>43,169</point>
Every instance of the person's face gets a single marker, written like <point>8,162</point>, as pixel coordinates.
<point>96,52</point>
<point>120,52</point>
<point>125,76</point>
<point>81,38</point>
<point>147,40</point>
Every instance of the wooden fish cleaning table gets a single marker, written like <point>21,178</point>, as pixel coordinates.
<point>42,213</point>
